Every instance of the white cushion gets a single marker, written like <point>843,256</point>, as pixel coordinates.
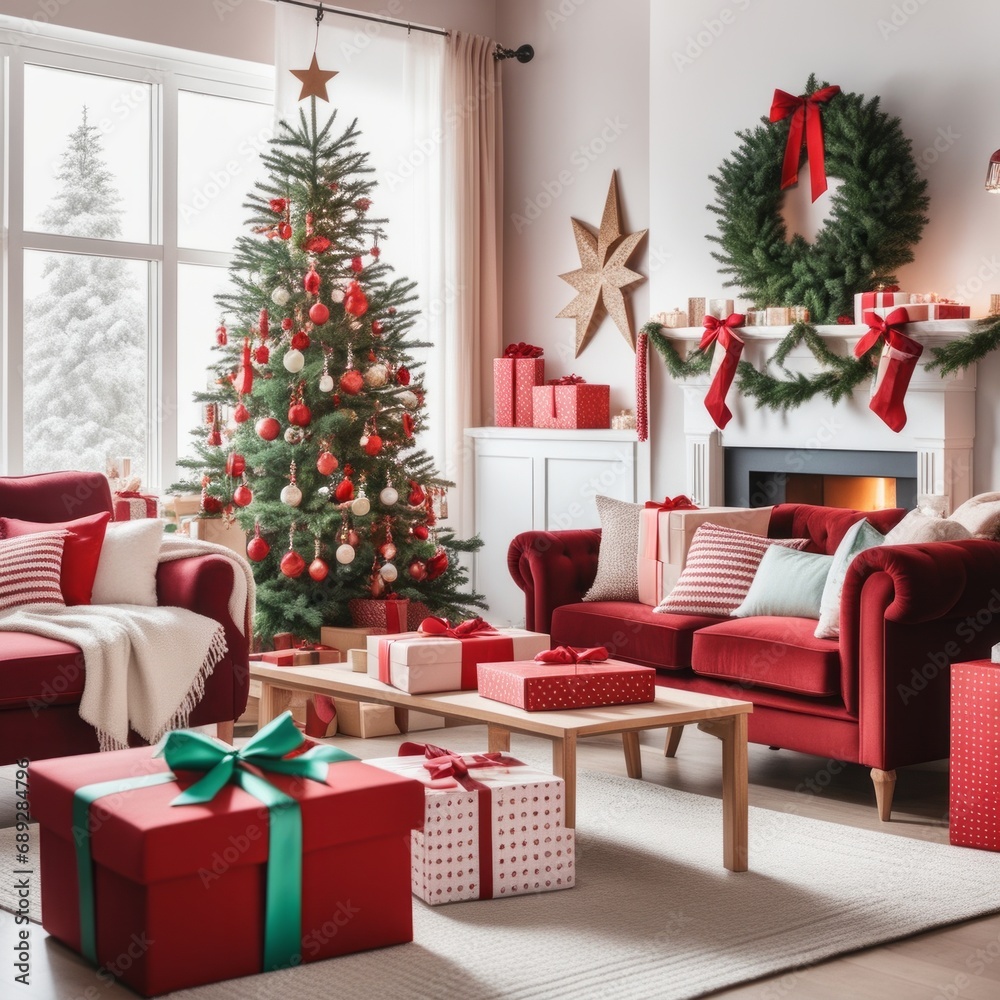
<point>617,576</point>
<point>980,515</point>
<point>858,537</point>
<point>917,527</point>
<point>126,573</point>
<point>787,584</point>
<point>31,569</point>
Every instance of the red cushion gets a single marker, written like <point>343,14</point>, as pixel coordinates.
<point>765,651</point>
<point>38,671</point>
<point>81,552</point>
<point>630,631</point>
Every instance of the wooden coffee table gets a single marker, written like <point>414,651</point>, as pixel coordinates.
<point>722,717</point>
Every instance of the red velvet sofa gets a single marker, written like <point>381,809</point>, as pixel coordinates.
<point>878,696</point>
<point>41,680</point>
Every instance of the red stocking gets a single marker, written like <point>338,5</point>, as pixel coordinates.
<point>722,332</point>
<point>898,361</point>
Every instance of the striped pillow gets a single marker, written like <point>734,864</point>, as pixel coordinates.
<point>30,569</point>
<point>720,567</point>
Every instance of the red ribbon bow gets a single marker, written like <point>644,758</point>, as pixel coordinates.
<point>880,327</point>
<point>129,495</point>
<point>722,330</point>
<point>435,626</point>
<point>806,124</point>
<point>568,654</point>
<point>567,380</point>
<point>679,502</point>
<point>446,764</point>
<point>522,350</point>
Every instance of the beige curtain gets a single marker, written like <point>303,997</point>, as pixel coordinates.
<point>473,173</point>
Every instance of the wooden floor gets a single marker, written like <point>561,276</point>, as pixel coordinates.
<point>960,962</point>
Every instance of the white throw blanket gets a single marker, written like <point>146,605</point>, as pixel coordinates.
<point>146,667</point>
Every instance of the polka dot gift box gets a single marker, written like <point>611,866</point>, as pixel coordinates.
<point>570,403</point>
<point>493,827</point>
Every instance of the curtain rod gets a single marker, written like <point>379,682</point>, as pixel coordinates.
<point>524,53</point>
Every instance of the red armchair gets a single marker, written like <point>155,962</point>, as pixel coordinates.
<point>41,680</point>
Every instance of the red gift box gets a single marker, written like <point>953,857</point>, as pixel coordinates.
<point>513,382</point>
<point>180,891</point>
<point>572,407</point>
<point>866,301</point>
<point>540,687</point>
<point>948,310</point>
<point>131,506</point>
<point>974,771</point>
<point>391,614</point>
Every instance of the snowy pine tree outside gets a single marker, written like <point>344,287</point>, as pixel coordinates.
<point>85,328</point>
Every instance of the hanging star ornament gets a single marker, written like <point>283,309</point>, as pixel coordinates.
<point>602,274</point>
<point>314,80</point>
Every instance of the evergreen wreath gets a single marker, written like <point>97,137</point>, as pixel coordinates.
<point>876,216</point>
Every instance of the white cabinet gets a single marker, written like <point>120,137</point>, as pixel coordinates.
<point>528,478</point>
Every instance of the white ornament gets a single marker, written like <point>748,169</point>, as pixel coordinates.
<point>409,399</point>
<point>326,383</point>
<point>294,435</point>
<point>355,324</point>
<point>291,495</point>
<point>389,496</point>
<point>345,553</point>
<point>293,360</point>
<point>377,376</point>
<point>388,572</point>
<point>363,440</point>
<point>280,296</point>
<point>337,295</point>
<point>360,505</point>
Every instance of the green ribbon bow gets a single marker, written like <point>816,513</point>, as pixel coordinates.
<point>188,751</point>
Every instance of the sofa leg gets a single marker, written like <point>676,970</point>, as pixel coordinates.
<point>885,785</point>
<point>674,734</point>
<point>224,731</point>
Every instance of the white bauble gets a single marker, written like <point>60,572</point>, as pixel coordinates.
<point>291,495</point>
<point>326,383</point>
<point>337,295</point>
<point>388,572</point>
<point>345,553</point>
<point>293,361</point>
<point>389,496</point>
<point>280,296</point>
<point>294,435</point>
<point>360,505</point>
<point>409,399</point>
<point>377,376</point>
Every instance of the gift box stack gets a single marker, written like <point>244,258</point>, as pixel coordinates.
<point>571,403</point>
<point>441,658</point>
<point>128,503</point>
<point>514,376</point>
<point>919,307</point>
<point>493,827</point>
<point>184,887</point>
<point>389,615</point>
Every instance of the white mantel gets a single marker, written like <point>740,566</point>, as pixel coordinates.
<point>940,427</point>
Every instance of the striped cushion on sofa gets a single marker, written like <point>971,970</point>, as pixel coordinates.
<point>30,569</point>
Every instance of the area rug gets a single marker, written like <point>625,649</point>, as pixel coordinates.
<point>654,914</point>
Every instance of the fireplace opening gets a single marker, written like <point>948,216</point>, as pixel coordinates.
<point>859,480</point>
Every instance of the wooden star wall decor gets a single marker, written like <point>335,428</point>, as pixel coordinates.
<point>314,80</point>
<point>602,274</point>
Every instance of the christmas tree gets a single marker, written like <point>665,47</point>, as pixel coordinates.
<point>317,401</point>
<point>87,329</point>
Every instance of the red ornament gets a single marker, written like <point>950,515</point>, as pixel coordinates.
<point>257,547</point>
<point>263,324</point>
<point>326,463</point>
<point>353,539</point>
<point>292,564</point>
<point>268,428</point>
<point>300,341</point>
<point>437,564</point>
<point>373,445</point>
<point>285,231</point>
<point>391,310</point>
<point>420,531</point>
<point>235,464</point>
<point>243,383</point>
<point>241,414</point>
<point>319,313</point>
<point>375,252</point>
<point>211,505</point>
<point>278,205</point>
<point>377,327</point>
<point>299,414</point>
<point>318,569</point>
<point>242,496</point>
<point>221,336</point>
<point>402,375</point>
<point>344,491</point>
<point>262,355</point>
<point>214,438</point>
<point>356,265</point>
<point>315,244</point>
<point>363,204</point>
<point>408,425</point>
<point>311,281</point>
<point>418,569</point>
<point>286,323</point>
<point>355,301</point>
<point>352,382</point>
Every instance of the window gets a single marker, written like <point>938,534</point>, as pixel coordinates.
<point>124,195</point>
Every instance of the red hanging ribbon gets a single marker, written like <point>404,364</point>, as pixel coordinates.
<point>569,654</point>
<point>729,341</point>
<point>568,380</point>
<point>522,350</point>
<point>244,378</point>
<point>806,124</point>
<point>679,502</point>
<point>641,403</point>
<point>435,626</point>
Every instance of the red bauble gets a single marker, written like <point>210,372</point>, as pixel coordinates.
<point>319,313</point>
<point>257,549</point>
<point>326,463</point>
<point>363,204</point>
<point>242,496</point>
<point>214,438</point>
<point>417,495</point>
<point>355,301</point>
<point>418,569</point>
<point>373,445</point>
<point>388,551</point>
<point>344,491</point>
<point>278,205</point>
<point>211,505</point>
<point>221,336</point>
<point>352,382</point>
<point>286,323</point>
<point>420,531</point>
<point>318,569</point>
<point>235,464</point>
<point>292,564</point>
<point>299,414</point>
<point>311,281</point>
<point>437,564</point>
<point>408,425</point>
<point>402,376</point>
<point>315,244</point>
<point>268,428</point>
<point>375,252</point>
<point>262,355</point>
<point>300,341</point>
<point>241,414</point>
<point>285,231</point>
<point>377,327</point>
<point>356,265</point>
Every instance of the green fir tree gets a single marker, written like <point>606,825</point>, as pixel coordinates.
<point>321,388</point>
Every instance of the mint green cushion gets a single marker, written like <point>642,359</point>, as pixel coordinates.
<point>789,583</point>
<point>860,536</point>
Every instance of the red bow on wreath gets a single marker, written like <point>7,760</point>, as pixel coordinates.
<point>896,365</point>
<point>567,380</point>
<point>722,330</point>
<point>435,626</point>
<point>522,350</point>
<point>806,125</point>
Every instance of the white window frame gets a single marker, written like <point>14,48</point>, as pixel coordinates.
<point>169,71</point>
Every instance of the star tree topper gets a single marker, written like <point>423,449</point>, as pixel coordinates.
<point>602,274</point>
<point>314,80</point>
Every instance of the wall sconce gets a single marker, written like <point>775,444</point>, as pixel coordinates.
<point>993,174</point>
